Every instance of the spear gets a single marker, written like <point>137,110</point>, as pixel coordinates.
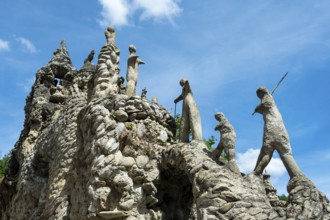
<point>279,83</point>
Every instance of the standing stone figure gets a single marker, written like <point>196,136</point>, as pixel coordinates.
<point>90,57</point>
<point>227,142</point>
<point>275,136</point>
<point>110,35</point>
<point>133,63</point>
<point>190,118</point>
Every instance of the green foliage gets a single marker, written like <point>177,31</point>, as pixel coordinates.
<point>112,115</point>
<point>177,124</point>
<point>209,142</point>
<point>4,164</point>
<point>283,197</point>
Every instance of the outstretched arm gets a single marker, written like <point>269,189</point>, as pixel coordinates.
<point>178,99</point>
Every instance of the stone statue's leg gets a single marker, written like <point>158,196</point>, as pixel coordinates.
<point>217,152</point>
<point>232,165</point>
<point>195,123</point>
<point>130,88</point>
<point>290,164</point>
<point>134,91</point>
<point>184,125</point>
<point>264,158</point>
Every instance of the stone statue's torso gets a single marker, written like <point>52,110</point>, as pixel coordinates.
<point>274,128</point>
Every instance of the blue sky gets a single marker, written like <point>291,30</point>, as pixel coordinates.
<point>226,49</point>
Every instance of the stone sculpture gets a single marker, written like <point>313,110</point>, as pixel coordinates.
<point>90,57</point>
<point>190,118</point>
<point>227,142</point>
<point>110,35</point>
<point>275,136</point>
<point>133,63</point>
<point>107,69</point>
<point>121,86</point>
<point>116,158</point>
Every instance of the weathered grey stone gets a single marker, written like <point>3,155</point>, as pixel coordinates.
<point>121,115</point>
<point>77,160</point>
<point>133,63</point>
<point>227,142</point>
<point>190,117</point>
<point>113,214</point>
<point>275,136</point>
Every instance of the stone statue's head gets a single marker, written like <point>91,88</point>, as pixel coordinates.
<point>219,116</point>
<point>261,92</point>
<point>131,48</point>
<point>111,29</point>
<point>183,82</point>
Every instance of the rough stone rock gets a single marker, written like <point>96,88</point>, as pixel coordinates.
<point>81,160</point>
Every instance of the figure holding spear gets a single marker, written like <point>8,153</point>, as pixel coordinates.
<point>275,136</point>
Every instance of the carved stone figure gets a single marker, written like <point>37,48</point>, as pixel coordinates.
<point>133,63</point>
<point>227,142</point>
<point>107,69</point>
<point>275,136</point>
<point>110,35</point>
<point>190,118</point>
<point>90,57</point>
<point>121,87</point>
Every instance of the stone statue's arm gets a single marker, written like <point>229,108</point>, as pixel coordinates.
<point>258,109</point>
<point>178,99</point>
<point>140,61</point>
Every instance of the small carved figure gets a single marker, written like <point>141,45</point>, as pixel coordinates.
<point>275,136</point>
<point>227,142</point>
<point>190,118</point>
<point>121,87</point>
<point>133,63</point>
<point>90,57</point>
<point>144,93</point>
<point>110,35</point>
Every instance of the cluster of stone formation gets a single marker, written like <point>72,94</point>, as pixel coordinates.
<point>92,149</point>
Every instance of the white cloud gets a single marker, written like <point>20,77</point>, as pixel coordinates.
<point>114,12</point>
<point>118,12</point>
<point>247,161</point>
<point>28,45</point>
<point>158,8</point>
<point>4,45</point>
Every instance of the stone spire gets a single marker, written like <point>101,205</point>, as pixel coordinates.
<point>107,69</point>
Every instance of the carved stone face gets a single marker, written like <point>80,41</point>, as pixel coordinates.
<point>219,116</point>
<point>131,49</point>
<point>261,92</point>
<point>111,29</point>
<point>182,82</point>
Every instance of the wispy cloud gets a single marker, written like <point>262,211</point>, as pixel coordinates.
<point>27,44</point>
<point>119,12</point>
<point>247,161</point>
<point>158,9</point>
<point>4,45</point>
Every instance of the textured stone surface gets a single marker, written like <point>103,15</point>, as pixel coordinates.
<point>115,157</point>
